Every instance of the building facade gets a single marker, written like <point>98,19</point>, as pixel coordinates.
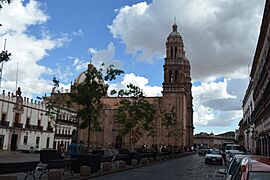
<point>257,125</point>
<point>24,122</point>
<point>213,141</point>
<point>176,95</point>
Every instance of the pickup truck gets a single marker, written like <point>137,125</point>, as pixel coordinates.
<point>28,148</point>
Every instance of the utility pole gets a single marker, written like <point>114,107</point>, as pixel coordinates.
<point>2,65</point>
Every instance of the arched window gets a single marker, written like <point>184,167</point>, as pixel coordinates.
<point>176,76</point>
<point>175,51</point>
<point>171,52</point>
<point>170,77</point>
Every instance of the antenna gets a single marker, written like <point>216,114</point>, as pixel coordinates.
<point>174,20</point>
<point>91,58</point>
<point>17,76</point>
<point>2,64</point>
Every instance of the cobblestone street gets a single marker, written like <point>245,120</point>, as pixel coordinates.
<point>186,168</point>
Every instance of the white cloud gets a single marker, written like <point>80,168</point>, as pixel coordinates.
<point>104,56</point>
<point>141,82</point>
<point>218,103</point>
<point>219,36</point>
<point>78,33</point>
<point>27,50</point>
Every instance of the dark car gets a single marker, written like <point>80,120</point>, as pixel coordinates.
<point>202,151</point>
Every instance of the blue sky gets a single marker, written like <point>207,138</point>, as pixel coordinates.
<point>49,37</point>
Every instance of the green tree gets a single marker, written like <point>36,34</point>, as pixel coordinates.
<point>134,114</point>
<point>4,56</point>
<point>88,95</point>
<point>56,104</point>
<point>169,122</point>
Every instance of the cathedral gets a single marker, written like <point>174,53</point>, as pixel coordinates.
<point>176,99</point>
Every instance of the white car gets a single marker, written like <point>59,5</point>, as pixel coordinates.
<point>231,150</point>
<point>213,156</point>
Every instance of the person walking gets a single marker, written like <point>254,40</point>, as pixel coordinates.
<point>224,157</point>
<point>72,149</point>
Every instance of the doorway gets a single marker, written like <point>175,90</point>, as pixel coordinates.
<point>2,137</point>
<point>13,144</point>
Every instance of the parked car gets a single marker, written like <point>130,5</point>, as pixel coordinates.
<point>231,150</point>
<point>213,156</point>
<point>203,151</point>
<point>253,167</point>
<point>234,163</point>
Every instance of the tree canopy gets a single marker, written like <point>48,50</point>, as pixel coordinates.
<point>88,94</point>
<point>134,114</point>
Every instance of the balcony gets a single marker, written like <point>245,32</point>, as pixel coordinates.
<point>40,128</point>
<point>49,129</point>
<point>18,125</point>
<point>4,123</point>
<point>63,135</point>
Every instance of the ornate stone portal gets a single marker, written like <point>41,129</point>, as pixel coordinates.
<point>176,101</point>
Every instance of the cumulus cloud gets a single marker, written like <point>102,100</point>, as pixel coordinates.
<point>27,50</point>
<point>217,103</point>
<point>141,82</point>
<point>219,36</point>
<point>105,56</point>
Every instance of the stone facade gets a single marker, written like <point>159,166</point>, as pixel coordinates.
<point>255,126</point>
<point>176,95</point>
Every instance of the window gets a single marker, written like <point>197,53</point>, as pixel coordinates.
<point>49,124</point>
<point>170,77</point>
<point>48,142</point>
<point>171,52</point>
<point>176,76</point>
<point>17,115</point>
<point>28,121</point>
<point>175,51</point>
<point>39,122</point>
<point>25,139</point>
<point>37,142</point>
<point>3,117</point>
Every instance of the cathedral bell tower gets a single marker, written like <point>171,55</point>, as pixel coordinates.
<point>176,68</point>
<point>177,87</point>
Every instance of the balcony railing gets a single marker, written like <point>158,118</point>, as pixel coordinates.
<point>4,123</point>
<point>40,128</point>
<point>63,135</point>
<point>50,129</point>
<point>30,126</point>
<point>18,125</point>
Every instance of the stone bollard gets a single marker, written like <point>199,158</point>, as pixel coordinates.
<point>8,177</point>
<point>85,171</point>
<point>121,164</point>
<point>54,175</point>
<point>163,158</point>
<point>157,158</point>
<point>144,161</point>
<point>167,157</point>
<point>151,160</point>
<point>134,162</point>
<point>106,166</point>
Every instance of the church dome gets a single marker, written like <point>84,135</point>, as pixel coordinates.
<point>81,77</point>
